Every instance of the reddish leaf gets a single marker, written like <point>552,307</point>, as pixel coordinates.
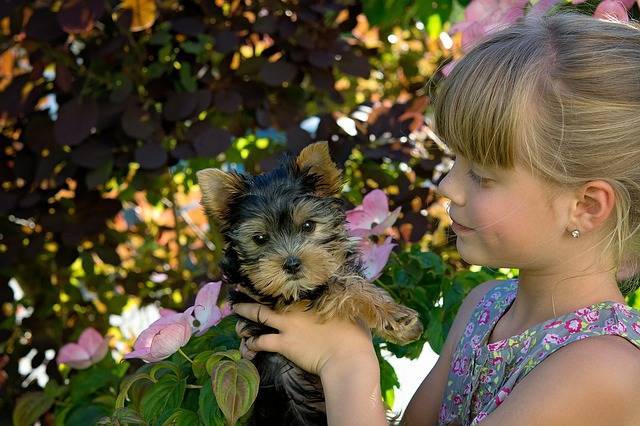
<point>179,106</point>
<point>226,41</point>
<point>227,101</point>
<point>208,141</point>
<point>151,156</point>
<point>137,123</point>
<point>76,120</point>
<point>43,26</point>
<point>276,73</point>
<point>78,16</point>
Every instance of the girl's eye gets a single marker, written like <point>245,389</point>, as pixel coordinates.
<point>476,178</point>
<point>308,226</point>
<point>260,239</point>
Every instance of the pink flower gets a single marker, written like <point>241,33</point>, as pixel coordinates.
<point>482,17</point>
<point>372,217</point>
<point>614,8</point>
<point>502,395</point>
<point>163,337</point>
<point>375,256</point>
<point>446,70</point>
<point>552,324</point>
<point>616,328</point>
<point>484,317</point>
<point>475,341</point>
<point>90,349</point>
<point>206,309</point>
<point>496,346</point>
<point>573,325</point>
<point>166,311</point>
<point>469,329</point>
<point>457,399</point>
<point>589,315</point>
<point>481,416</point>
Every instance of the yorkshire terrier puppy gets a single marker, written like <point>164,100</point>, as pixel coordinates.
<point>286,244</point>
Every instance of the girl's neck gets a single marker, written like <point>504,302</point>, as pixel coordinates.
<point>534,302</point>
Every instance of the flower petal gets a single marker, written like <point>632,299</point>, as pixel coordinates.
<point>169,340</point>
<point>376,204</point>
<point>94,343</point>
<point>613,8</point>
<point>205,308</point>
<point>381,228</point>
<point>374,257</point>
<point>214,317</point>
<point>74,355</point>
<point>143,354</point>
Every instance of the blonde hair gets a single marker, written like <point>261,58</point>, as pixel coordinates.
<point>561,95</point>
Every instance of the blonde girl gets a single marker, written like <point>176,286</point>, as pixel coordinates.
<point>544,119</point>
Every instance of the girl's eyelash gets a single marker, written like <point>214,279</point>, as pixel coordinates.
<point>475,177</point>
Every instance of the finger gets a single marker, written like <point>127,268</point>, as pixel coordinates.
<point>242,329</point>
<point>265,342</point>
<point>259,313</point>
<point>245,352</point>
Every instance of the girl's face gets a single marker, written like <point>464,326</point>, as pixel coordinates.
<point>508,218</point>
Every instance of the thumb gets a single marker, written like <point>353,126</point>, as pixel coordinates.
<point>265,342</point>
<point>245,352</point>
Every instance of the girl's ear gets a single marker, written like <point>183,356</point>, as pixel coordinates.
<point>315,159</point>
<point>218,189</point>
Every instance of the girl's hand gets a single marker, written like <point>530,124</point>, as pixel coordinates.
<point>304,340</point>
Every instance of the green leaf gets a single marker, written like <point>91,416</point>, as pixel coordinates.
<point>210,413</point>
<point>126,384</point>
<point>199,364</point>
<point>434,332</point>
<point>164,365</point>
<point>84,415</point>
<point>192,47</point>
<point>155,70</point>
<point>88,381</point>
<point>182,417</point>
<point>235,386</point>
<point>160,38</point>
<point>162,398</point>
<point>388,380</point>
<point>30,406</point>
<point>187,79</point>
<point>126,415</point>
<point>211,362</point>
<point>53,389</point>
<point>430,261</point>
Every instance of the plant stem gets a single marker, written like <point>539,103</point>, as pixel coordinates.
<point>185,355</point>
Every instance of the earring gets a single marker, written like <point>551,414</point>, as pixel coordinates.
<point>575,233</point>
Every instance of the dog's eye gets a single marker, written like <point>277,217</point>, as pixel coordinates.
<point>260,239</point>
<point>308,226</point>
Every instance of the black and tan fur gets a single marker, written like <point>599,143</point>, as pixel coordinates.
<point>286,244</point>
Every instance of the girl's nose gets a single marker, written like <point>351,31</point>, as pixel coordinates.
<point>448,188</point>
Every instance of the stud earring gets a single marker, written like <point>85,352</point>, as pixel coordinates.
<point>575,233</point>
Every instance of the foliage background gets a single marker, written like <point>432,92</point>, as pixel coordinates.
<point>107,108</point>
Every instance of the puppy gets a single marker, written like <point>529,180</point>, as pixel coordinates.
<point>286,244</point>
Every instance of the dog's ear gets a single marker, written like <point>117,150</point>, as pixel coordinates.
<point>315,159</point>
<point>218,189</point>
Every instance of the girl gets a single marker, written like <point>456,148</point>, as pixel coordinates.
<point>543,118</point>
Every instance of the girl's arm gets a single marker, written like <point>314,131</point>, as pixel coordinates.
<point>352,391</point>
<point>339,351</point>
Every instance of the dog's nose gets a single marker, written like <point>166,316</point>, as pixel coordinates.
<point>292,264</point>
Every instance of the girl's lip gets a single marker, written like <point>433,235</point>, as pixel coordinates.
<point>456,226</point>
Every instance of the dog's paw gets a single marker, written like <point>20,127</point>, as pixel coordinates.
<point>401,325</point>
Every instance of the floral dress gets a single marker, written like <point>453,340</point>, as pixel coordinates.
<point>482,375</point>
